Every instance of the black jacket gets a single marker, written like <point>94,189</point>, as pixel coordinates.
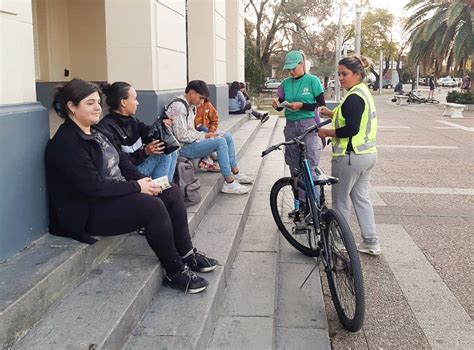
<point>127,131</point>
<point>73,163</point>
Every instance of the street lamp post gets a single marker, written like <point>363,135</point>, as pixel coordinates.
<point>358,28</point>
<point>337,89</point>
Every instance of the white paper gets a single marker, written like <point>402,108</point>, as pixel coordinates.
<point>163,182</point>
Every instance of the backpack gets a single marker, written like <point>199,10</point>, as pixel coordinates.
<point>188,184</point>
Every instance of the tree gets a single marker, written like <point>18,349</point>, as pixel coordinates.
<point>441,31</point>
<point>277,21</point>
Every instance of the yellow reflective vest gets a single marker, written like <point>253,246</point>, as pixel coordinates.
<point>364,141</point>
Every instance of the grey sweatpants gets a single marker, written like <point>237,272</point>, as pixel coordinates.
<point>313,146</point>
<point>353,186</point>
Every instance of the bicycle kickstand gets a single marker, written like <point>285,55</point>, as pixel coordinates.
<point>316,264</point>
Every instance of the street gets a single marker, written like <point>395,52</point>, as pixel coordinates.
<point>419,291</point>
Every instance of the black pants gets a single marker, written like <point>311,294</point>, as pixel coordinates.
<point>164,217</point>
<point>247,107</point>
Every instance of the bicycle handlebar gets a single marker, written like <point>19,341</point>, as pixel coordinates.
<point>296,139</point>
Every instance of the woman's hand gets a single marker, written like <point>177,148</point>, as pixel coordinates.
<point>326,132</point>
<point>323,110</point>
<point>168,122</point>
<point>275,103</point>
<point>147,186</point>
<point>155,147</point>
<point>294,106</point>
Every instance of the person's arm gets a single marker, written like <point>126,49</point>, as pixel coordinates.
<point>320,101</point>
<point>144,130</point>
<point>213,119</point>
<point>77,166</point>
<point>184,134</point>
<point>241,99</point>
<point>352,110</point>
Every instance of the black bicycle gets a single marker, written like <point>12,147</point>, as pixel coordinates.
<point>303,218</point>
<point>414,98</point>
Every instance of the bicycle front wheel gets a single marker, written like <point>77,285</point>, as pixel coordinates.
<point>296,226</point>
<point>344,272</point>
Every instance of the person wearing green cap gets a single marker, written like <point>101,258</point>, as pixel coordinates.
<point>301,93</point>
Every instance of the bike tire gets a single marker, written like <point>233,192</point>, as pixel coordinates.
<point>281,203</point>
<point>344,272</point>
<point>435,102</point>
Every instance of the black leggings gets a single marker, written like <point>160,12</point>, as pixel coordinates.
<point>247,107</point>
<point>164,217</point>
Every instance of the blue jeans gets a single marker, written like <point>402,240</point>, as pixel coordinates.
<point>223,145</point>
<point>158,165</point>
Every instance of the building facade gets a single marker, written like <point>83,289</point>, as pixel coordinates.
<point>156,45</point>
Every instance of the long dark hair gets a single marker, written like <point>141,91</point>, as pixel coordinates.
<point>356,65</point>
<point>75,91</point>
<point>233,89</point>
<point>115,93</point>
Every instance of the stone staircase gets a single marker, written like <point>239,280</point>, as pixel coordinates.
<point>61,294</point>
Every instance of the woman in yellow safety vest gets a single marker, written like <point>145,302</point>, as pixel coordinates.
<point>353,132</point>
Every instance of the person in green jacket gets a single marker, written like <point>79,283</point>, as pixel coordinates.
<point>300,94</point>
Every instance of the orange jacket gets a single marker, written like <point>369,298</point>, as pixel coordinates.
<point>206,115</point>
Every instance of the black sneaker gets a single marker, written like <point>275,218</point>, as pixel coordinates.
<point>264,117</point>
<point>199,262</point>
<point>186,280</point>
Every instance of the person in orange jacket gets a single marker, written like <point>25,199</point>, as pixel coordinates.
<point>207,120</point>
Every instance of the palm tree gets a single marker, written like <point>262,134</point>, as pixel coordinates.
<point>442,30</point>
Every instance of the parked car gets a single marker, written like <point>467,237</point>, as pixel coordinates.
<point>387,84</point>
<point>449,82</point>
<point>272,83</point>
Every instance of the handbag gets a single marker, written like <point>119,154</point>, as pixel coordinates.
<point>160,131</point>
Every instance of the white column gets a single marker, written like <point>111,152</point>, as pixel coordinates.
<point>235,40</point>
<point>207,41</point>
<point>17,62</point>
<point>130,49</point>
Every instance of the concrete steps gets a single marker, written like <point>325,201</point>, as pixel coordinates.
<point>264,306</point>
<point>176,321</point>
<point>36,279</point>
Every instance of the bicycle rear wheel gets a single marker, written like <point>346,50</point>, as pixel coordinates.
<point>344,272</point>
<point>297,228</point>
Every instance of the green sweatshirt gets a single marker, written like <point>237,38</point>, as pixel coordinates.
<point>302,89</point>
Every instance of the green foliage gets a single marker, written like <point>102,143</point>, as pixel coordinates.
<point>441,30</point>
<point>254,71</point>
<point>460,97</point>
<point>376,28</point>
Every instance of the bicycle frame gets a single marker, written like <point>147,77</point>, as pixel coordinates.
<point>313,198</point>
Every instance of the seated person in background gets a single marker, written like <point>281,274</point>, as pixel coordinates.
<point>399,88</point>
<point>238,104</point>
<point>94,190</point>
<point>207,120</point>
<point>197,144</point>
<point>244,91</point>
<point>131,135</point>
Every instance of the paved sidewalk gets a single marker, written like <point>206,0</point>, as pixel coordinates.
<point>419,292</point>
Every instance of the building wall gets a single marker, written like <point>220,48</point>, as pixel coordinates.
<point>236,38</point>
<point>170,44</point>
<point>144,42</point>
<point>24,131</point>
<point>17,82</point>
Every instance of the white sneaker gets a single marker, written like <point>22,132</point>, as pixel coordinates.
<point>371,249</point>
<point>234,188</point>
<point>243,179</point>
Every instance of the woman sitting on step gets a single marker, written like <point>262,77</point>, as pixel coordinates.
<point>92,190</point>
<point>239,105</point>
<point>197,144</point>
<point>130,135</point>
